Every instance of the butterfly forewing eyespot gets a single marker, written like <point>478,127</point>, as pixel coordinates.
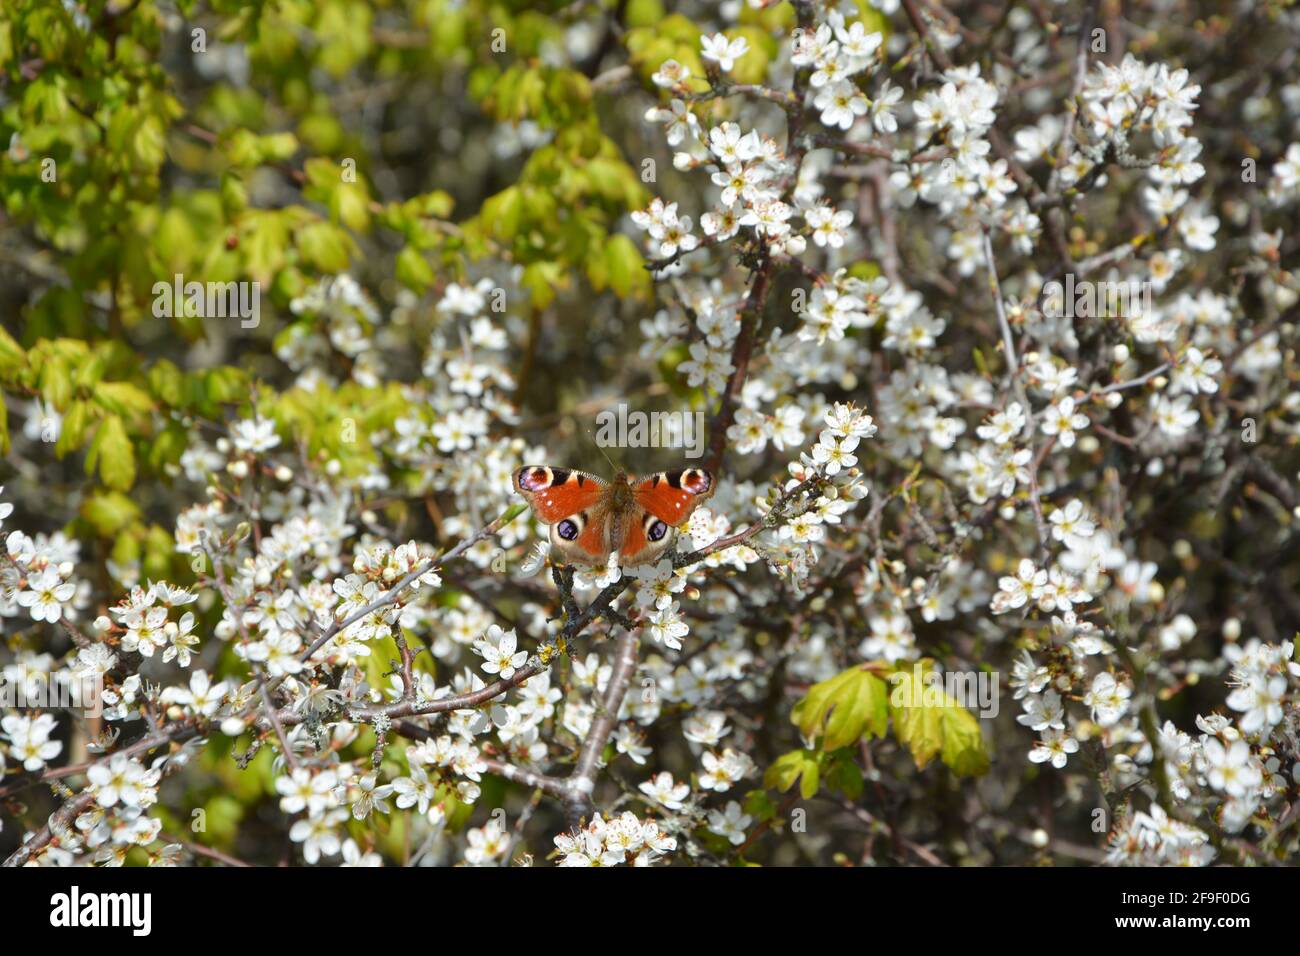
<point>535,478</point>
<point>695,480</point>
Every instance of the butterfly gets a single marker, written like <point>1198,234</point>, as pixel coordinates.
<point>632,517</point>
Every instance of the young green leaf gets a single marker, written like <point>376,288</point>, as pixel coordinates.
<point>844,709</point>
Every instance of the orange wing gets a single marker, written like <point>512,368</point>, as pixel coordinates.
<point>671,496</point>
<point>565,500</point>
<point>590,544</point>
<point>638,548</point>
<point>665,501</point>
<point>556,493</point>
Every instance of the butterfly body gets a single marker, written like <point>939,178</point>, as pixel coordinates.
<point>591,519</point>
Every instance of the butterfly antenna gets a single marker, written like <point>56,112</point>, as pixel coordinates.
<point>602,452</point>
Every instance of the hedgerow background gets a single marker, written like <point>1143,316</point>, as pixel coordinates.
<point>324,628</point>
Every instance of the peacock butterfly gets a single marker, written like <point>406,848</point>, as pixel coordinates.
<point>590,519</point>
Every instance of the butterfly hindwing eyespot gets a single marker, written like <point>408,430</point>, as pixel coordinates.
<point>570,528</point>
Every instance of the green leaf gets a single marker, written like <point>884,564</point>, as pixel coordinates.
<point>88,374</point>
<point>126,547</point>
<point>12,356</point>
<point>265,236</point>
<point>865,270</point>
<point>759,805</point>
<point>123,398</point>
<point>167,448</point>
<point>343,34</point>
<point>350,204</point>
<point>109,512</point>
<point>801,765</point>
<point>501,213</point>
<point>160,548</point>
<point>168,383</point>
<point>234,195</point>
<point>413,270</point>
<point>842,773</point>
<point>55,383</point>
<point>930,723</point>
<point>963,744</point>
<point>221,818</point>
<point>643,13</point>
<point>325,247</point>
<point>627,273</point>
<point>916,725</point>
<point>752,67</point>
<point>111,450</point>
<point>844,709</point>
<point>279,147</point>
<point>72,432</point>
<point>149,142</point>
<point>242,148</point>
<point>225,384</point>
<point>541,279</point>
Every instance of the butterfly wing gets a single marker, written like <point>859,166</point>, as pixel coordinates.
<point>556,493</point>
<point>664,502</point>
<point>671,496</point>
<point>566,500</point>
